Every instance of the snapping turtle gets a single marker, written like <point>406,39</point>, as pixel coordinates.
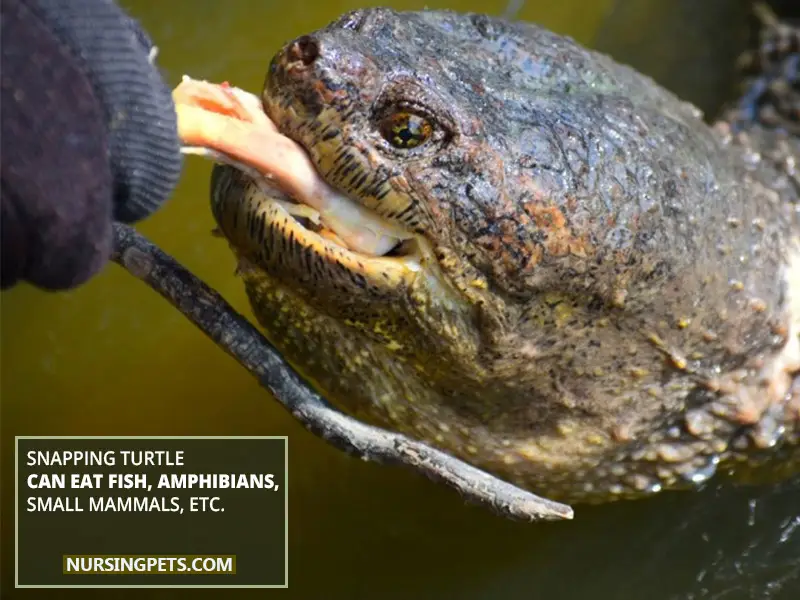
<point>545,263</point>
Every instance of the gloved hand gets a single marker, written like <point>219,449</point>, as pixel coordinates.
<point>89,135</point>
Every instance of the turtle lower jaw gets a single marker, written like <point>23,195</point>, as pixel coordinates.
<point>347,232</point>
<point>301,227</point>
<point>289,242</point>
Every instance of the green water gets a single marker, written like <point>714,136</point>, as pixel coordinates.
<point>114,359</point>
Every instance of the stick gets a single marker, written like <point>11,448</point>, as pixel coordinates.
<point>239,338</point>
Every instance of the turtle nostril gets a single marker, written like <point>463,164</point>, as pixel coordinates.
<point>304,50</point>
<point>353,21</point>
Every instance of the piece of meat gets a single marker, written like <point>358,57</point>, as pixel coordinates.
<point>231,122</point>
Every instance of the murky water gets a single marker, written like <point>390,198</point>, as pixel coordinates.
<point>113,358</point>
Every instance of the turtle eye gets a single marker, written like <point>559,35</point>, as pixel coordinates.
<point>406,130</point>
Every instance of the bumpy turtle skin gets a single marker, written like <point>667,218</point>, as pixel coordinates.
<point>604,295</point>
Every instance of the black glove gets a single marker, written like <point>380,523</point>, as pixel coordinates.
<point>89,135</point>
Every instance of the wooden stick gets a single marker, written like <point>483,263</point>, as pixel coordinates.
<point>239,338</point>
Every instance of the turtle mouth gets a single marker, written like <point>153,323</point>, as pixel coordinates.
<point>280,188</point>
<point>300,228</point>
<point>334,216</point>
<point>310,220</point>
<point>284,205</point>
<point>338,228</point>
